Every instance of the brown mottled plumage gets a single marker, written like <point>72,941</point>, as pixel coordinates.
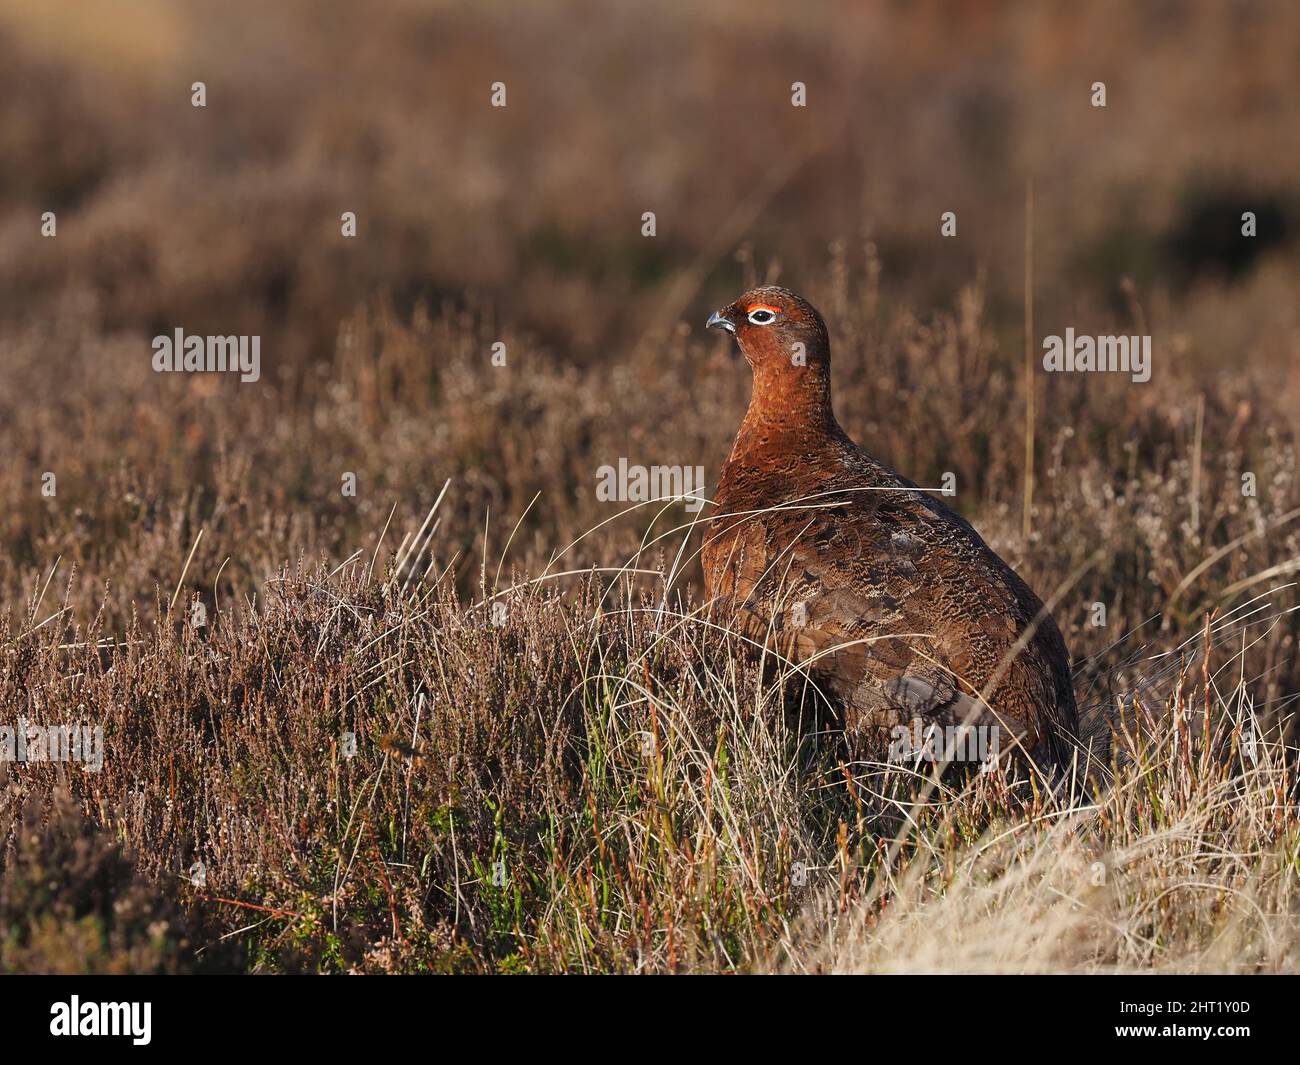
<point>894,602</point>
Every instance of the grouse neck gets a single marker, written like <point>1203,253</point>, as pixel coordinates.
<point>792,402</point>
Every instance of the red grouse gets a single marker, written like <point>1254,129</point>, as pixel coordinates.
<point>897,608</point>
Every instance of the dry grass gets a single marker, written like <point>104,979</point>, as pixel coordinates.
<point>525,742</point>
<point>652,804</point>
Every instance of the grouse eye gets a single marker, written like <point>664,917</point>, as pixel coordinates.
<point>762,316</point>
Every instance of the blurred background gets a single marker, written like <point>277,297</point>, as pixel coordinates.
<point>523,225</point>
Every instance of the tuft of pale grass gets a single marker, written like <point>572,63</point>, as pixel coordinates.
<point>1184,865</point>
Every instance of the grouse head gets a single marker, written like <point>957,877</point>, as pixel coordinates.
<point>776,329</point>
<point>785,342</point>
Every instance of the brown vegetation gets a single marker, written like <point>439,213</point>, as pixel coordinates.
<point>656,803</point>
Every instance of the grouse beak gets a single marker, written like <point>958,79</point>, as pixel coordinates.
<point>717,320</point>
